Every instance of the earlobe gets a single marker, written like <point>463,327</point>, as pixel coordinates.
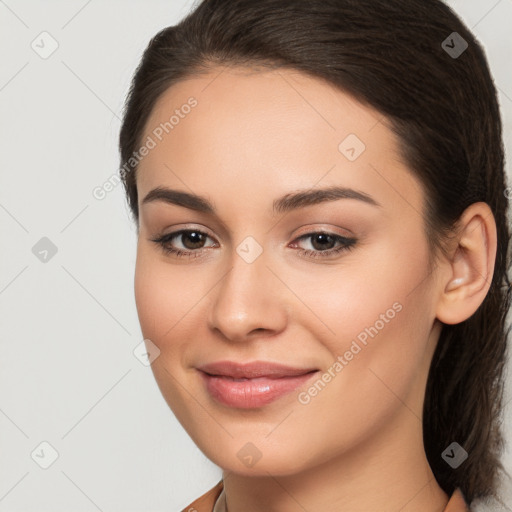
<point>469,270</point>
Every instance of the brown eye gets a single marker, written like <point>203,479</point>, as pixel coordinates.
<point>322,241</point>
<point>189,243</point>
<point>324,244</point>
<point>196,239</point>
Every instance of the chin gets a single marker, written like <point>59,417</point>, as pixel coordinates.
<point>255,458</point>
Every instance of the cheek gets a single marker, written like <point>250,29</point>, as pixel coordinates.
<point>164,294</point>
<point>376,312</point>
<point>149,298</point>
<point>163,299</point>
<point>375,367</point>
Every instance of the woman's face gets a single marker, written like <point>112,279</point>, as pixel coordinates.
<point>252,287</point>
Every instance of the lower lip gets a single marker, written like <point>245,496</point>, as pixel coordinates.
<point>251,393</point>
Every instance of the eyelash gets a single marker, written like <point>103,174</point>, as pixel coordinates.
<point>163,242</point>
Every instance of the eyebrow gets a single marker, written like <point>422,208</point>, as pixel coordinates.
<point>286,203</point>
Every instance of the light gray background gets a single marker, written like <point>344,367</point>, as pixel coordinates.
<point>68,375</point>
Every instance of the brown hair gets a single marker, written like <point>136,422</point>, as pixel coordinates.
<point>388,54</point>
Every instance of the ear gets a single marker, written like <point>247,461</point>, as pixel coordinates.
<point>467,272</point>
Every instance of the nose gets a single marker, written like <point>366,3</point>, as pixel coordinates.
<point>249,302</point>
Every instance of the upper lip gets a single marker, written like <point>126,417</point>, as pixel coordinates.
<point>252,370</point>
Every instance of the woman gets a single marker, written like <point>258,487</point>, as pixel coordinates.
<point>319,193</point>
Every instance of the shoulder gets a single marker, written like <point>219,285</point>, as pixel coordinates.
<point>206,502</point>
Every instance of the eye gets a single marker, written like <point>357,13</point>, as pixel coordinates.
<point>324,244</point>
<point>190,239</point>
<point>193,243</point>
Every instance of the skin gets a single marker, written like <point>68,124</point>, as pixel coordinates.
<point>255,136</point>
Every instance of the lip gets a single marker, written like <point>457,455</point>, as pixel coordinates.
<point>251,385</point>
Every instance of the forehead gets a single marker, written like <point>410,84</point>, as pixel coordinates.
<point>267,131</point>
<point>283,98</point>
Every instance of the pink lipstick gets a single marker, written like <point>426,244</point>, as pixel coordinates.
<point>251,385</point>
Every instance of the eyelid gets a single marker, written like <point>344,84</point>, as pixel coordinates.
<point>304,230</point>
<point>332,234</point>
<point>187,227</point>
<point>346,244</point>
<point>315,228</point>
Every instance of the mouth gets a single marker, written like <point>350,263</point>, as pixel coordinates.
<point>252,385</point>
